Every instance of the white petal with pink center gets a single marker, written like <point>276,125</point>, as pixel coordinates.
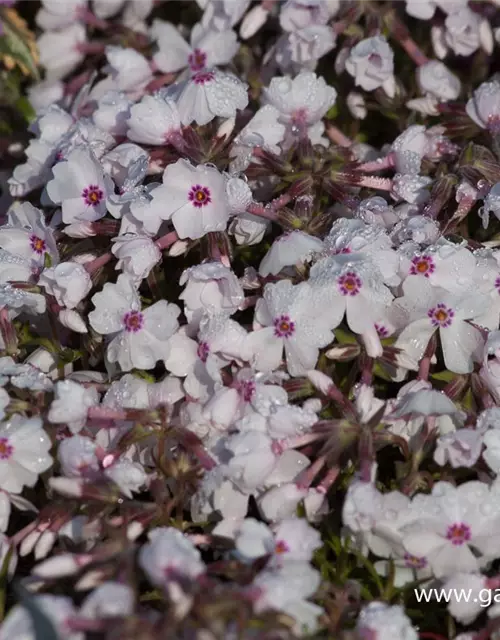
<point>139,338</point>
<point>286,318</point>
<point>194,198</point>
<point>24,452</point>
<point>424,309</point>
<point>80,187</point>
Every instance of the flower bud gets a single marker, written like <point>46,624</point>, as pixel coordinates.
<point>79,230</point>
<point>73,320</point>
<point>253,21</point>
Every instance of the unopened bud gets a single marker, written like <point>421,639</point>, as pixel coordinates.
<point>226,128</point>
<point>253,21</point>
<point>357,105</point>
<point>344,353</point>
<point>320,381</point>
<point>67,564</point>
<point>80,230</point>
<point>178,248</point>
<point>73,320</point>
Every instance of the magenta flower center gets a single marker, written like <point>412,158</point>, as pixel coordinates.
<point>422,265</point>
<point>414,562</point>
<point>38,245</point>
<point>350,284</point>
<point>197,60</point>
<point>6,449</point>
<point>381,330</point>
<point>458,533</point>
<point>441,315</point>
<point>92,195</point>
<point>199,196</point>
<point>283,327</point>
<point>133,321</point>
<point>203,351</point>
<point>246,389</point>
<point>202,77</point>
<point>281,547</point>
<point>497,284</point>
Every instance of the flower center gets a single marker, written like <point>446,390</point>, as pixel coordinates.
<point>283,327</point>
<point>375,60</point>
<point>92,195</point>
<point>494,123</point>
<point>133,321</point>
<point>458,533</point>
<point>246,389</point>
<point>414,562</point>
<point>441,315</point>
<point>37,244</point>
<point>202,77</point>
<point>203,351</point>
<point>6,449</point>
<point>349,284</point>
<point>281,547</point>
<point>197,60</point>
<point>381,330</point>
<point>497,284</point>
<point>199,196</point>
<point>422,265</point>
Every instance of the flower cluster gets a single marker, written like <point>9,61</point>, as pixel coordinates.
<point>249,323</point>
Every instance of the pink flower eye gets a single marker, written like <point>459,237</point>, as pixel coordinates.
<point>350,284</point>
<point>203,351</point>
<point>92,195</point>
<point>281,547</point>
<point>6,449</point>
<point>441,315</point>
<point>38,245</point>
<point>199,196</point>
<point>133,321</point>
<point>283,327</point>
<point>414,562</point>
<point>197,60</point>
<point>459,533</point>
<point>202,77</point>
<point>422,265</point>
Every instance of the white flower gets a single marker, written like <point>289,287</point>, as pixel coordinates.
<point>371,63</point>
<point>77,456</point>
<point>129,476</point>
<point>289,249</point>
<point>468,609</point>
<point>411,188</point>
<point>112,112</point>
<point>492,200</point>
<point>138,338</point>
<point>484,106</point>
<point>153,120</point>
<point>23,376</point>
<point>109,600</point>
<point>169,554</point>
<point>129,70</point>
<point>44,94</point>
<point>55,14</point>
<point>291,583</point>
<point>80,187</point>
<point>302,102</point>
<point>376,210</point>
<point>424,310</point>
<point>69,283</point>
<point>71,404</point>
<point>210,287</point>
<point>208,94</point>
<point>462,33</point>
<point>19,622</point>
<point>287,317</point>
<point>24,452</point>
<point>223,14</point>
<point>194,198</point>
<point>459,449</point>
<point>264,130</point>
<point>59,52</point>
<point>351,284</point>
<point>302,49</point>
<point>435,78</point>
<point>490,371</point>
<point>381,621</point>
<point>451,527</point>
<point>298,14</point>
<point>209,48</point>
<point>137,255</point>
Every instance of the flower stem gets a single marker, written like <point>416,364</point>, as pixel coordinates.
<point>167,240</point>
<point>377,165</point>
<point>97,263</point>
<point>337,137</point>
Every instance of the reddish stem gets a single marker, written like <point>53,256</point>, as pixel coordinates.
<point>377,165</point>
<point>90,48</point>
<point>167,240</point>
<point>337,137</point>
<point>97,263</point>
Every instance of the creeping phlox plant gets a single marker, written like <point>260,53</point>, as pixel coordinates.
<point>249,321</point>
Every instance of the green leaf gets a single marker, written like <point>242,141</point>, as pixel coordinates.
<point>47,260</point>
<point>15,43</point>
<point>344,337</point>
<point>444,376</point>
